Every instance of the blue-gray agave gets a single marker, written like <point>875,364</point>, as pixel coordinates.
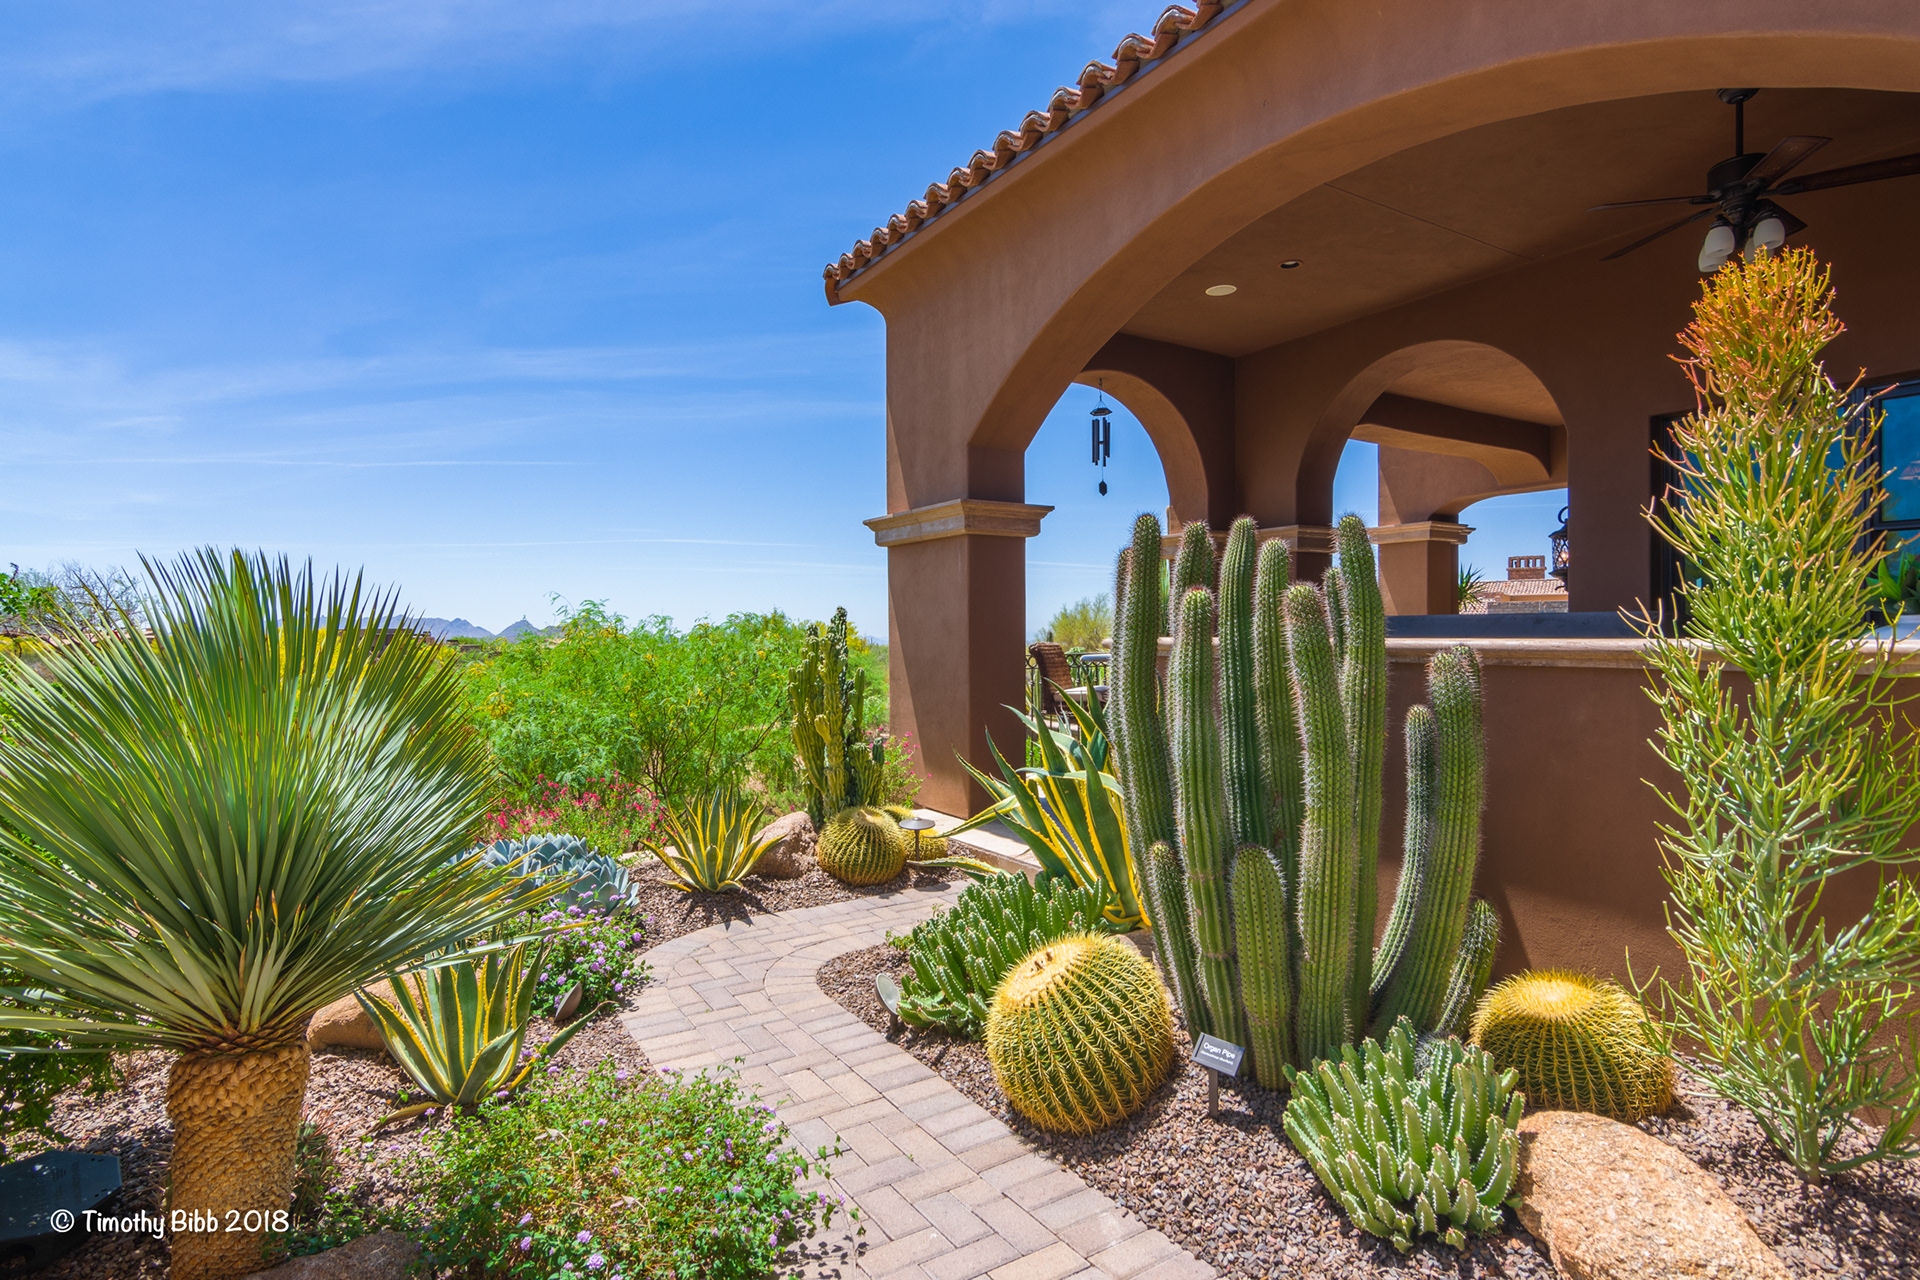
<point>592,882</point>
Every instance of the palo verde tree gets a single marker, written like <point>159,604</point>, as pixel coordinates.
<point>208,834</point>
<point>1802,771</point>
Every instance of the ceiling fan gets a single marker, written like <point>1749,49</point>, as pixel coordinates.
<point>1739,191</point>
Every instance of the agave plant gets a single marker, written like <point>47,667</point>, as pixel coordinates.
<point>591,883</point>
<point>710,842</point>
<point>458,1028</point>
<point>207,835</point>
<point>1068,812</point>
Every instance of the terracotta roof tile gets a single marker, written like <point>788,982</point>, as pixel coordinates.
<point>1096,79</point>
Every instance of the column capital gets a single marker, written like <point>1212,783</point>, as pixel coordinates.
<point>1421,531</point>
<point>956,518</point>
<point>1314,539</point>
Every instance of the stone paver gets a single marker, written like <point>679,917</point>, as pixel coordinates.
<point>944,1188</point>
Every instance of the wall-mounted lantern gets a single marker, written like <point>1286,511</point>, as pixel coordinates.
<point>1562,557</point>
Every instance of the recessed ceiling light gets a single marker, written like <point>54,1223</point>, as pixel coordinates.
<point>1290,264</point>
<point>1221,290</point>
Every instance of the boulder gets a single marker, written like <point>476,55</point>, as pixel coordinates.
<point>1612,1202</point>
<point>345,1025</point>
<point>385,1255</point>
<point>792,856</point>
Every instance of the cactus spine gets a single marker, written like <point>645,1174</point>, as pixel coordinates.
<point>1239,723</point>
<point>837,764</point>
<point>1327,835</point>
<point>1363,702</point>
<point>1145,768</point>
<point>1577,1042</point>
<point>1206,845</point>
<point>862,846</point>
<point>1417,986</point>
<point>1282,735</point>
<point>1079,1034</point>
<point>1263,939</point>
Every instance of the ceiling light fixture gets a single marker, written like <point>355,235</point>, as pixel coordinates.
<point>1221,290</point>
<point>1719,246</point>
<point>1768,234</point>
<point>1290,264</point>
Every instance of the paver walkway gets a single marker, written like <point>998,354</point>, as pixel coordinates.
<point>946,1191</point>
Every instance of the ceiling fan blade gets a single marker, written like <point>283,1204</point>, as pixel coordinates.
<point>1636,204</point>
<point>1647,240</point>
<point>1780,161</point>
<point>1872,171</point>
<point>1794,225</point>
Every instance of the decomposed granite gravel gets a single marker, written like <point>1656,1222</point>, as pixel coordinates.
<point>1234,1192</point>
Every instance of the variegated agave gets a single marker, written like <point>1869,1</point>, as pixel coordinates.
<point>709,843</point>
<point>1068,813</point>
<point>458,1029</point>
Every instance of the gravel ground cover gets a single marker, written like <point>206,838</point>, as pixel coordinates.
<point>347,1091</point>
<point>1233,1191</point>
<point>351,1088</point>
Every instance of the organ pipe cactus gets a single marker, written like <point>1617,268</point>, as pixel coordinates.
<point>839,767</point>
<point>1268,750</point>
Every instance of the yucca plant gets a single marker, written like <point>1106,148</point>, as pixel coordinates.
<point>457,1029</point>
<point>208,835</point>
<point>1069,812</point>
<point>709,843</point>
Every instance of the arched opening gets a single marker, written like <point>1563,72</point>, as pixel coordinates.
<point>1451,424</point>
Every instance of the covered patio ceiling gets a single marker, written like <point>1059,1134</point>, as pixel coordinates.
<point>1502,196</point>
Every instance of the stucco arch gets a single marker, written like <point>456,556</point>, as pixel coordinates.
<point>1492,465</point>
<point>1057,282</point>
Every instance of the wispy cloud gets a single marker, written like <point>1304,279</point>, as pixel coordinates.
<point>79,51</point>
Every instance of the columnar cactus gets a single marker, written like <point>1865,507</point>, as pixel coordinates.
<point>838,765</point>
<point>1577,1043</point>
<point>862,846</point>
<point>1079,1033</point>
<point>1258,828</point>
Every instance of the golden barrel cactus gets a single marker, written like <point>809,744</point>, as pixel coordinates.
<point>1079,1033</point>
<point>1579,1043</point>
<point>862,846</point>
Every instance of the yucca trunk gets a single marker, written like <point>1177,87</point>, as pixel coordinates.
<point>235,1119</point>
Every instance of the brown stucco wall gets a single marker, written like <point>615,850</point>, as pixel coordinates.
<point>1570,844</point>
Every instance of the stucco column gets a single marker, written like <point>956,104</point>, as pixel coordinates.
<point>957,622</point>
<point>1420,565</point>
<point>1310,547</point>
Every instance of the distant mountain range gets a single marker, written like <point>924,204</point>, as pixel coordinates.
<point>461,629</point>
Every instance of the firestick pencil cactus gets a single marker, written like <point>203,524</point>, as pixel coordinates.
<point>1254,780</point>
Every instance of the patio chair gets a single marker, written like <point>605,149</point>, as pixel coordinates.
<point>1050,660</point>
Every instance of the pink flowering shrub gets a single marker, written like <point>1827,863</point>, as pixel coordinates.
<point>611,815</point>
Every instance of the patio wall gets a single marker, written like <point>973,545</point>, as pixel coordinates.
<point>1570,856</point>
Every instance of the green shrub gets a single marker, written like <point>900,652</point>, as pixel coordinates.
<point>600,953</point>
<point>30,1081</point>
<point>1082,624</point>
<point>1811,772</point>
<point>678,713</point>
<point>662,1176</point>
<point>1410,1145</point>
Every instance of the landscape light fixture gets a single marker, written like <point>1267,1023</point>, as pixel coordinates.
<point>1102,426</point>
<point>1221,290</point>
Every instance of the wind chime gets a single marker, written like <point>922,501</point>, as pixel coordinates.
<point>1102,427</point>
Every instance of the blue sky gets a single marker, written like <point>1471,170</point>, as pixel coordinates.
<point>505,300</point>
